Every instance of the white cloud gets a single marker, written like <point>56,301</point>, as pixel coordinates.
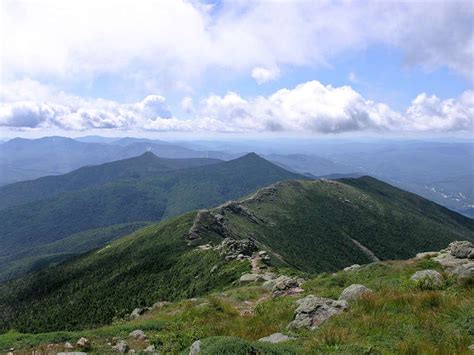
<point>187,104</point>
<point>177,41</point>
<point>262,75</point>
<point>310,107</point>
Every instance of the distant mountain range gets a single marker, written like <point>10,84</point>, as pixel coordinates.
<point>37,214</point>
<point>304,225</point>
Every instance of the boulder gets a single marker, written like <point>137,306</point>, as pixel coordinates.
<point>461,249</point>
<point>354,292</point>
<point>150,349</point>
<point>195,348</point>
<point>248,278</point>
<point>313,311</point>
<point>137,312</point>
<point>276,338</point>
<point>68,345</point>
<point>427,279</point>
<point>138,335</point>
<point>464,273</point>
<point>352,267</point>
<point>269,284</point>
<point>284,283</point>
<point>121,347</point>
<point>83,343</point>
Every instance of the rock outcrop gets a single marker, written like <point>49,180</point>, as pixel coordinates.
<point>313,311</point>
<point>138,335</point>
<point>284,286</point>
<point>354,292</point>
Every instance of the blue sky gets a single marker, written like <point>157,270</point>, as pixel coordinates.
<point>241,67</point>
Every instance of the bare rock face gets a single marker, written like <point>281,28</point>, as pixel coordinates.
<point>313,311</point>
<point>276,338</point>
<point>354,292</point>
<point>427,279</point>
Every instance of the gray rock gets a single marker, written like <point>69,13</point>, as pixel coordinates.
<point>138,335</point>
<point>354,292</point>
<point>269,284</point>
<point>427,279</point>
<point>195,348</point>
<point>464,273</point>
<point>352,267</point>
<point>137,312</point>
<point>68,345</point>
<point>121,347</point>
<point>150,349</point>
<point>471,347</point>
<point>461,249</point>
<point>248,278</point>
<point>313,311</point>
<point>160,304</point>
<point>83,343</point>
<point>284,283</point>
<point>276,338</point>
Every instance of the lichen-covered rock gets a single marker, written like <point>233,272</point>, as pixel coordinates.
<point>461,249</point>
<point>195,348</point>
<point>83,343</point>
<point>137,312</point>
<point>354,292</point>
<point>464,273</point>
<point>249,278</point>
<point>313,311</point>
<point>352,267</point>
<point>121,347</point>
<point>427,279</point>
<point>138,335</point>
<point>276,338</point>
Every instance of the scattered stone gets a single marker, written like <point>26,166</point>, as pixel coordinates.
<point>231,248</point>
<point>461,249</point>
<point>276,338</point>
<point>68,345</point>
<point>354,292</point>
<point>427,279</point>
<point>195,348</point>
<point>150,349</point>
<point>138,335</point>
<point>121,347</point>
<point>83,343</point>
<point>313,311</point>
<point>249,278</point>
<point>427,255</point>
<point>137,312</point>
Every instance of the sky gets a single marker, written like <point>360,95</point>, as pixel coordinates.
<point>240,68</point>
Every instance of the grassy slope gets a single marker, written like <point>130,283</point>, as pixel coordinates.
<point>152,264</point>
<point>397,318</point>
<point>152,198</point>
<point>53,253</point>
<point>311,223</point>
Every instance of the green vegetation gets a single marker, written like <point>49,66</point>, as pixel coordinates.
<point>306,227</point>
<point>147,189</point>
<point>396,318</point>
<point>54,253</point>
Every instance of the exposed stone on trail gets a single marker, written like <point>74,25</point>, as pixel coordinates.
<point>195,348</point>
<point>249,278</point>
<point>276,338</point>
<point>313,311</point>
<point>138,335</point>
<point>232,248</point>
<point>428,279</point>
<point>354,292</point>
<point>285,286</point>
<point>121,347</point>
<point>137,312</point>
<point>83,343</point>
<point>352,267</point>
